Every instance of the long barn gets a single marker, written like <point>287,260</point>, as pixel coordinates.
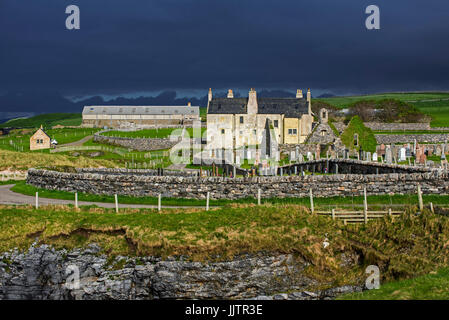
<point>139,116</point>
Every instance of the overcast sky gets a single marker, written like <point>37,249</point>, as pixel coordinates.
<point>127,46</point>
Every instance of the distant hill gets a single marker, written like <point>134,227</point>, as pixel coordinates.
<point>47,120</point>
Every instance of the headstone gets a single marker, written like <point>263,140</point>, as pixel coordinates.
<point>408,152</point>
<point>292,156</point>
<point>402,154</point>
<point>309,156</point>
<point>388,155</point>
<point>375,156</point>
<point>368,156</point>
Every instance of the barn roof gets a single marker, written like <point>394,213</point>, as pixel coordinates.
<point>149,110</point>
<point>290,107</point>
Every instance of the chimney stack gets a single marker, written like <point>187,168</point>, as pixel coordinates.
<point>299,94</point>
<point>309,100</point>
<point>230,94</point>
<point>252,102</point>
<point>209,96</point>
<point>209,99</point>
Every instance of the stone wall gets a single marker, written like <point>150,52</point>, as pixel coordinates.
<point>383,126</point>
<point>406,138</point>
<point>144,172</point>
<point>140,144</point>
<point>342,184</point>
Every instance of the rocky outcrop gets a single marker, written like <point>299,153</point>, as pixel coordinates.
<point>42,272</point>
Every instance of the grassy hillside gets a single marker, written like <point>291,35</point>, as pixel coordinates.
<point>434,286</point>
<point>366,137</point>
<point>47,120</point>
<point>343,102</point>
<point>24,160</point>
<point>408,247</point>
<point>434,104</point>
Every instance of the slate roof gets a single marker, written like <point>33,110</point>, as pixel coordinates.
<point>149,110</point>
<point>290,107</point>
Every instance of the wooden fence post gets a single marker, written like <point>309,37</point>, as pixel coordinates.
<point>431,207</point>
<point>258,196</point>
<point>333,214</point>
<point>420,198</point>
<point>311,201</point>
<point>37,200</point>
<point>76,200</point>
<point>389,212</point>
<point>207,200</point>
<point>365,205</point>
<point>116,203</point>
<point>159,202</point>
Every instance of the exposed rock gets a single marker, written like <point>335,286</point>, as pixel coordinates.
<point>44,273</point>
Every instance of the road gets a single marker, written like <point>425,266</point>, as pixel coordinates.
<point>12,198</point>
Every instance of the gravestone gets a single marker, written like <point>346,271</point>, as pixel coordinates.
<point>408,152</point>
<point>388,155</point>
<point>375,156</point>
<point>402,154</point>
<point>292,156</point>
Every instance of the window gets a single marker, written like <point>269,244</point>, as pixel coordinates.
<point>292,131</point>
<point>276,123</point>
<point>222,131</point>
<point>37,141</point>
<point>241,119</point>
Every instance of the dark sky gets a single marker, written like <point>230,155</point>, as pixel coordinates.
<point>127,46</point>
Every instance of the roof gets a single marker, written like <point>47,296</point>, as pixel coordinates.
<point>129,110</point>
<point>40,129</point>
<point>290,107</point>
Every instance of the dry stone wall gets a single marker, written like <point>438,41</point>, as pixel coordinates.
<point>406,138</point>
<point>384,126</point>
<point>139,144</point>
<point>347,184</point>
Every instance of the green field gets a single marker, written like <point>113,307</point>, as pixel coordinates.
<point>433,286</point>
<point>342,102</point>
<point>437,107</point>
<point>47,120</point>
<point>19,140</point>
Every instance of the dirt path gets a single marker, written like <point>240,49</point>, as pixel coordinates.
<point>9,197</point>
<point>76,143</point>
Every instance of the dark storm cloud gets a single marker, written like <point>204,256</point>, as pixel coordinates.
<point>127,46</point>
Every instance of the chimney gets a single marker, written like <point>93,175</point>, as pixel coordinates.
<point>230,94</point>
<point>209,99</point>
<point>209,96</point>
<point>299,94</point>
<point>189,104</point>
<point>252,102</point>
<point>309,100</point>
